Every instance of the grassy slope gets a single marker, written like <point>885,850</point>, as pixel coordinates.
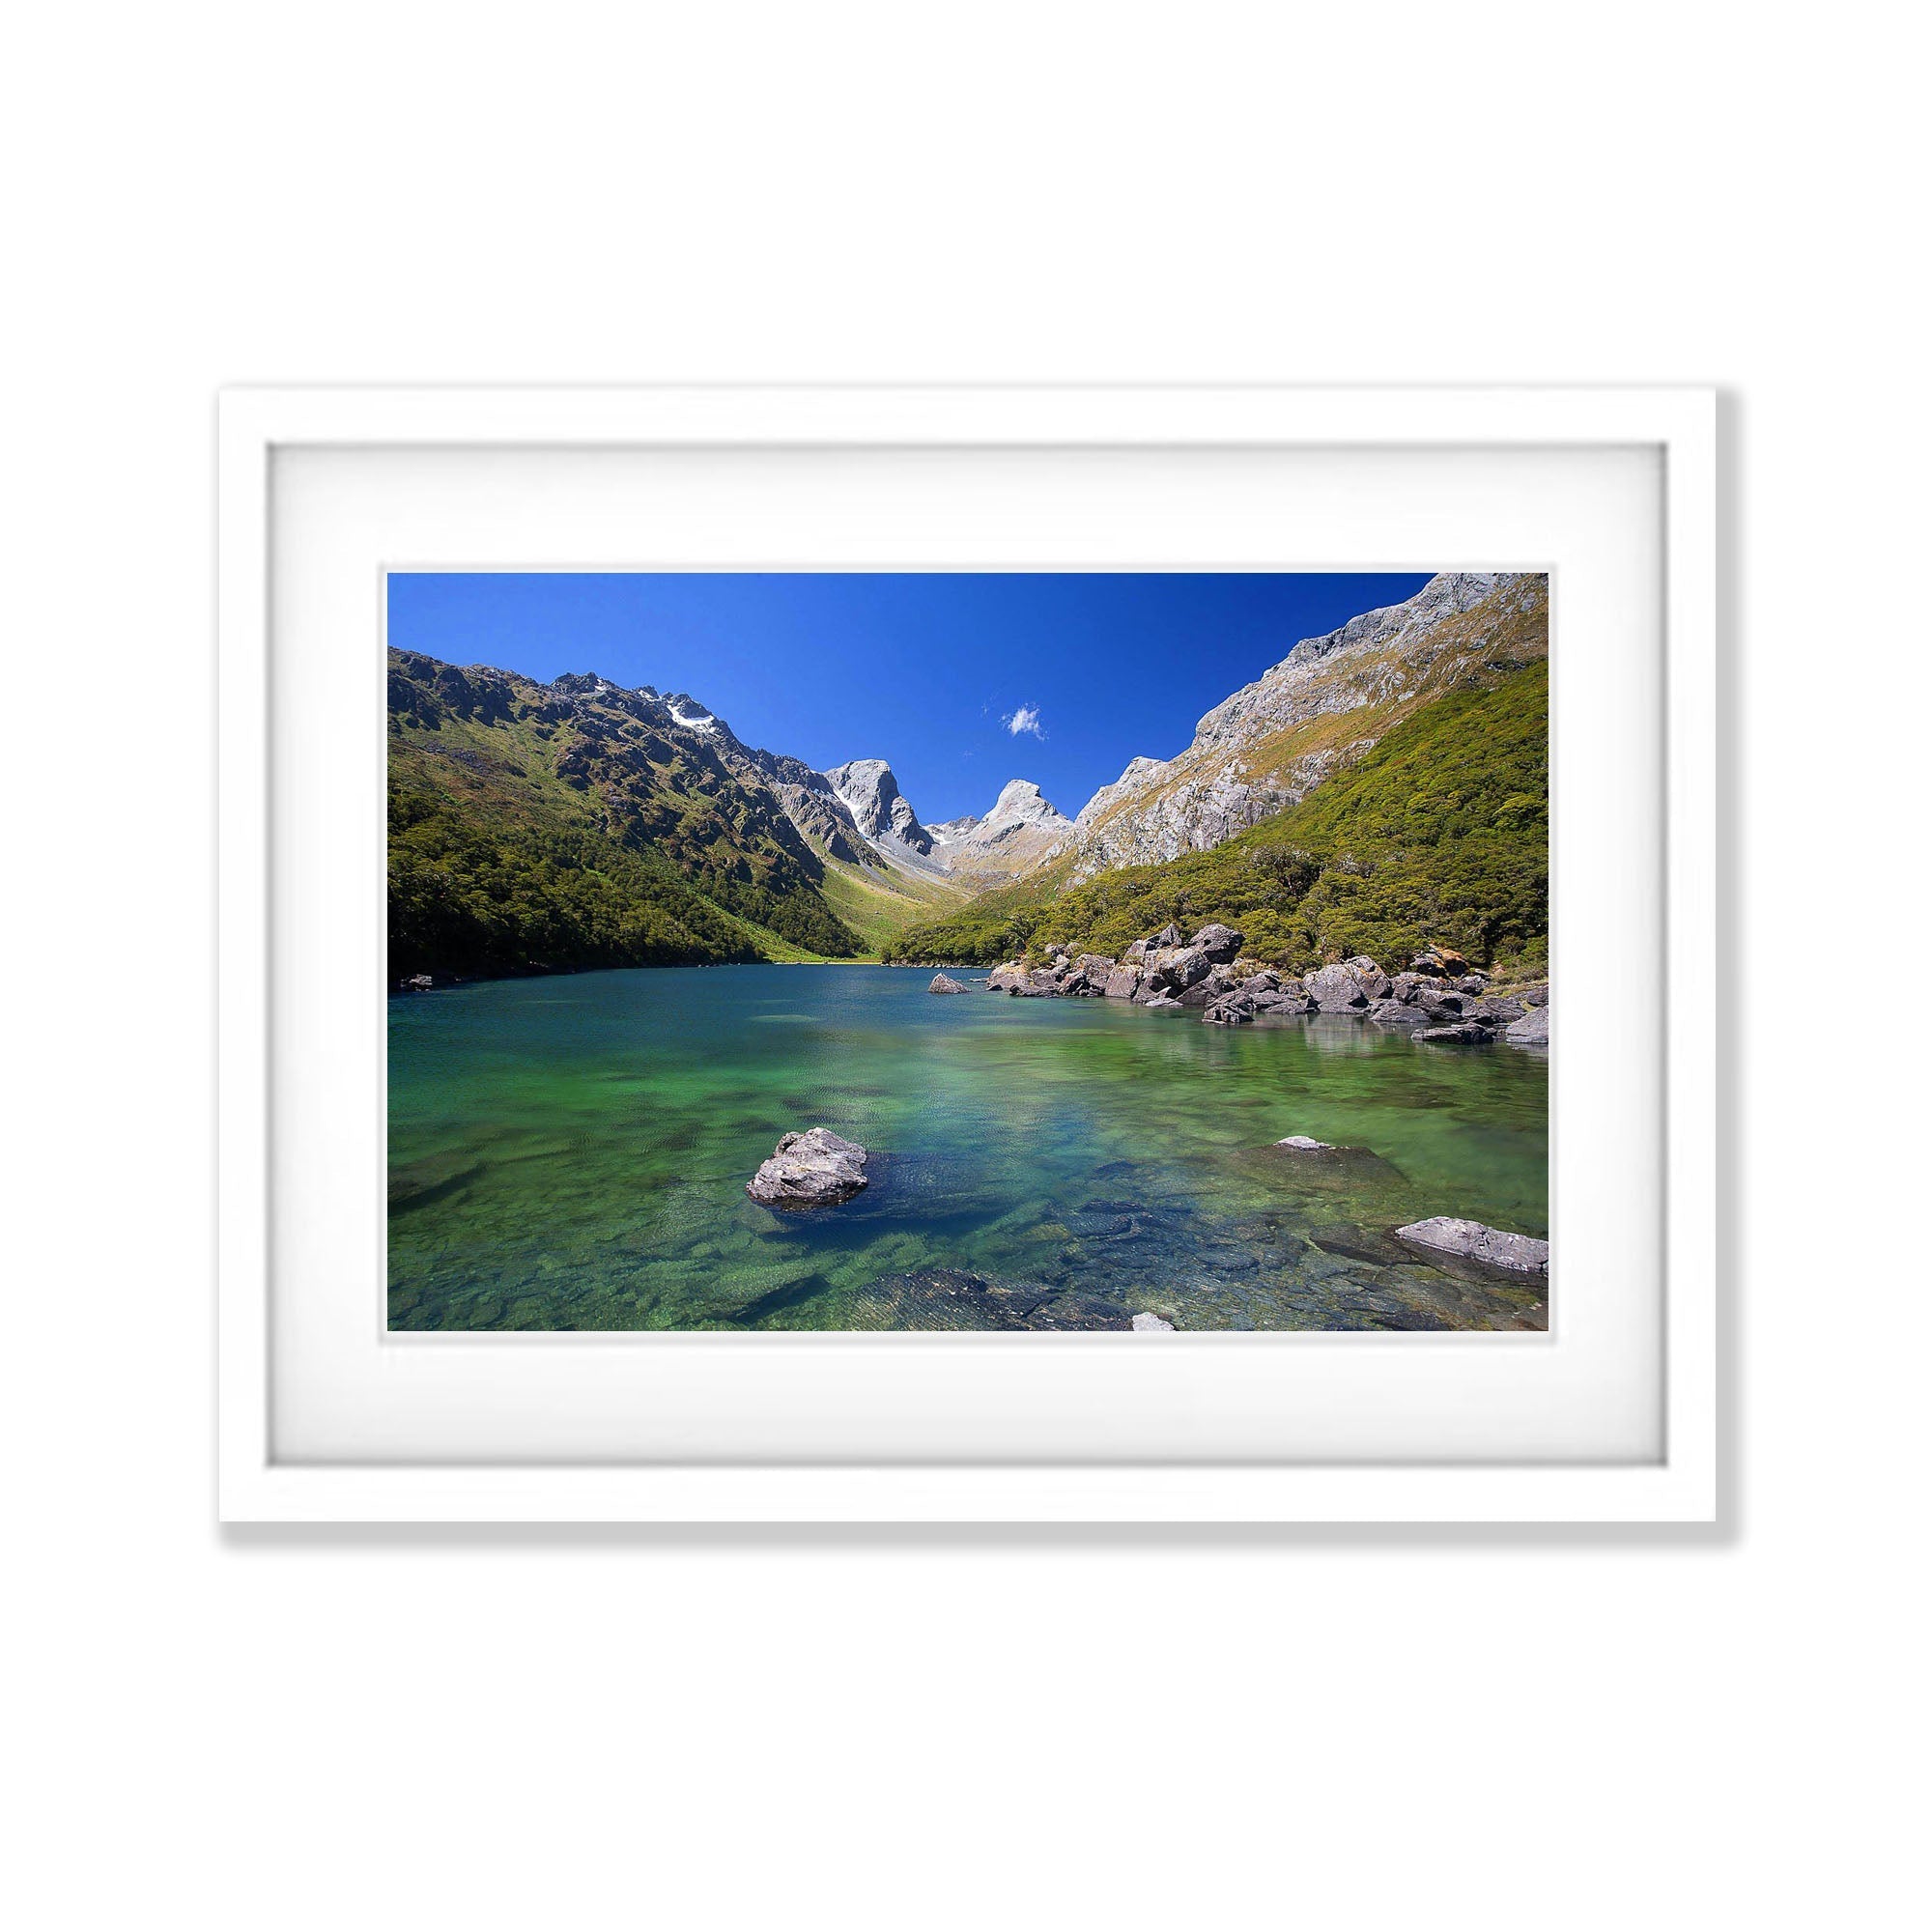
<point>498,865</point>
<point>1439,833</point>
<point>880,907</point>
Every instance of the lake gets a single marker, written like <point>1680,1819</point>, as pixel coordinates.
<point>572,1153</point>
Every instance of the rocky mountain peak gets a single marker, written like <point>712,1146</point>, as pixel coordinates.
<point>871,793</point>
<point>1022,803</point>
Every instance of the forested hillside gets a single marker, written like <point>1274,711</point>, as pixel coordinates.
<point>539,828</point>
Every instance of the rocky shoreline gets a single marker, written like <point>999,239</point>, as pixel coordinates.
<point>1439,996</point>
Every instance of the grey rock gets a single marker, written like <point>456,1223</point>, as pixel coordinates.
<point>1162,1003</point>
<point>1220,942</point>
<point>1124,981</point>
<point>1498,1010</point>
<point>1167,936</point>
<point>1302,1144</point>
<point>815,1169</point>
<point>1392,1013</point>
<point>1464,1033</point>
<point>1263,982</point>
<point>1523,1254</point>
<point>1372,981</point>
<point>1145,1322</point>
<point>1537,995</point>
<point>1532,1030</point>
<point>1088,974</point>
<point>1174,968</point>
<point>1007,979</point>
<point>1439,962</point>
<point>1233,1011</point>
<point>1136,952</point>
<point>941,984</point>
<point>1405,986</point>
<point>1336,990</point>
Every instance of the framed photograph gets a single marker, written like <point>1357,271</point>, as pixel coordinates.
<point>968,954</point>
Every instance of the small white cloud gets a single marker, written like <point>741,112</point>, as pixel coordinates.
<point>1025,720</point>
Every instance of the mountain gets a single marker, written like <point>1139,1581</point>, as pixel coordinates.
<point>543,827</point>
<point>1021,833</point>
<point>1383,788</point>
<point>871,795</point>
<point>1325,705</point>
<point>1439,833</point>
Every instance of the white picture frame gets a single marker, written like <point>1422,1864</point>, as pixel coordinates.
<point>1670,430</point>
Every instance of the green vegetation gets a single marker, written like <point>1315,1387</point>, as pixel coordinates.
<point>1440,833</point>
<point>530,834</point>
<point>481,899</point>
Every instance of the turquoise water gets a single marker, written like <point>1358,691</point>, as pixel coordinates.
<point>572,1152</point>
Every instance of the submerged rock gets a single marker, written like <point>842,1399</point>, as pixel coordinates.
<point>815,1169</point>
<point>1302,1144</point>
<point>941,984</point>
<point>1464,1033</point>
<point>1146,1323</point>
<point>1472,1241</point>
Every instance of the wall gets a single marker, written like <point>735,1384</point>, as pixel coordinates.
<point>1337,1729</point>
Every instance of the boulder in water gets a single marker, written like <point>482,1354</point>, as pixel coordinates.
<point>815,1169</point>
<point>1532,1030</point>
<point>1337,990</point>
<point>1472,1241</point>
<point>941,984</point>
<point>1392,1013</point>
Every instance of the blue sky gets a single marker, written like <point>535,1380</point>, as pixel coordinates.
<point>960,682</point>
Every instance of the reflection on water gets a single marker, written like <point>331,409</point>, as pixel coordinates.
<point>572,1153</point>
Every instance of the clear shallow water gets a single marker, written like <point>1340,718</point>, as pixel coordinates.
<point>572,1152</point>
